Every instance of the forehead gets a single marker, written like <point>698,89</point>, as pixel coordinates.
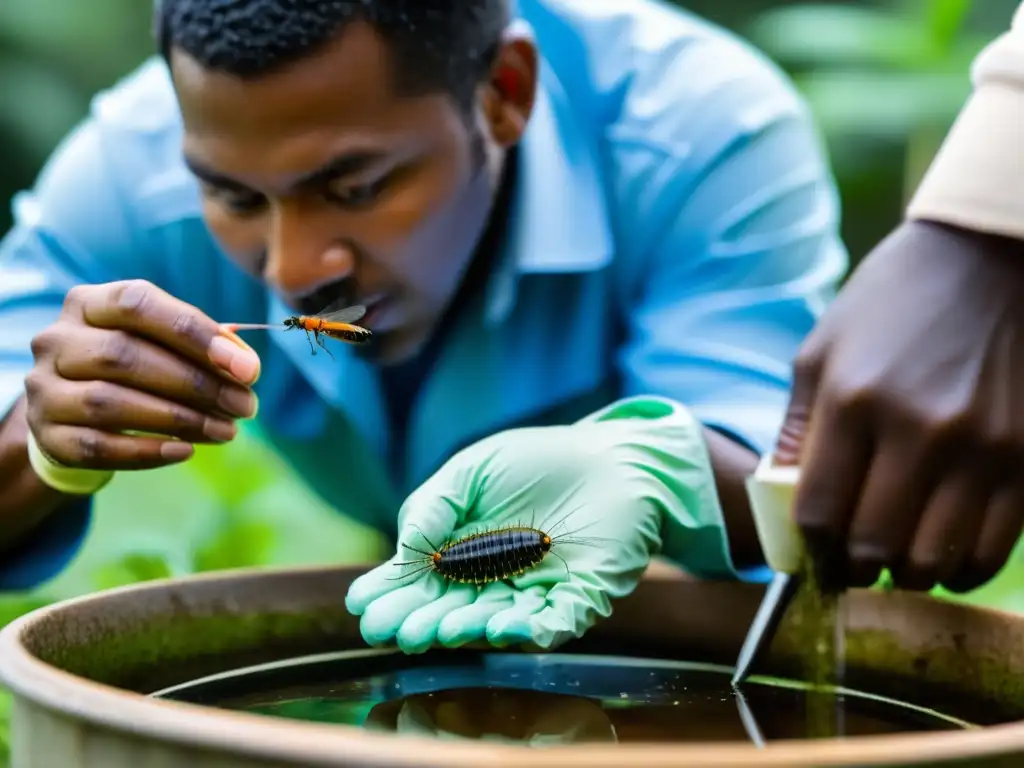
<point>339,99</point>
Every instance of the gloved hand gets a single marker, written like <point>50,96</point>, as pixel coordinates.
<point>636,478</point>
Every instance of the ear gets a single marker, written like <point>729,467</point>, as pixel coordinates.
<point>510,92</point>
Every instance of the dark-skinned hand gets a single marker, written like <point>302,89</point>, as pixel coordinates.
<point>907,414</point>
<point>127,356</point>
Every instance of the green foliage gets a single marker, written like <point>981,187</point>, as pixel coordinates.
<point>892,73</point>
<point>131,568</point>
<point>5,719</point>
<point>885,80</point>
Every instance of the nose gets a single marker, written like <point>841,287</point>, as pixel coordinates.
<point>302,254</point>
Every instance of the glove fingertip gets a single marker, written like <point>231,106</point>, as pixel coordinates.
<point>366,589</point>
<point>355,604</point>
<point>508,632</point>
<point>457,636</point>
<point>452,642</point>
<point>413,646</point>
<point>380,623</point>
<point>375,639</point>
<point>417,633</point>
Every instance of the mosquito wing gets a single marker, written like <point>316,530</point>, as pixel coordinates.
<point>344,315</point>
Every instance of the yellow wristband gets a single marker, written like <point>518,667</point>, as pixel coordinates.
<point>79,482</point>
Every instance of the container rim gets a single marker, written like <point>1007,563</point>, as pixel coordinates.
<point>313,744</point>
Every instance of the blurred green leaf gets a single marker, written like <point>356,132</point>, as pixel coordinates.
<point>239,543</point>
<point>946,20</point>
<point>132,568</point>
<point>5,726</point>
<point>890,106</point>
<point>16,606</point>
<point>841,35</point>
<point>234,475</point>
<point>37,105</point>
<point>78,36</point>
<point>863,37</point>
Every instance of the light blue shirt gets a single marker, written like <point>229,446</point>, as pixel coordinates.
<point>674,232</point>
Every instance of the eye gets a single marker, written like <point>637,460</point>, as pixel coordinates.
<point>358,195</point>
<point>238,202</point>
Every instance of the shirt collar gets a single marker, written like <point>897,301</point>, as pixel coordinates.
<point>558,218</point>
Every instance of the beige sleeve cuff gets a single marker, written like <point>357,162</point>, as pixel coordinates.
<point>976,180</point>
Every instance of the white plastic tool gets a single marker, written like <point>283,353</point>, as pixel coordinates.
<point>771,491</point>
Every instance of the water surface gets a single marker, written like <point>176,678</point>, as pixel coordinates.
<point>546,699</point>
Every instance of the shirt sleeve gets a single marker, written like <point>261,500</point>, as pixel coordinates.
<point>976,180</point>
<point>736,225</point>
<point>71,228</point>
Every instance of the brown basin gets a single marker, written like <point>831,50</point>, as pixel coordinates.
<point>80,672</point>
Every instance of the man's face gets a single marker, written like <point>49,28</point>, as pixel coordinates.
<point>325,184</point>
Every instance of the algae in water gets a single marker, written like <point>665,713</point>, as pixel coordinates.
<point>819,634</point>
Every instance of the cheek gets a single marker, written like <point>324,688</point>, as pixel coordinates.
<point>431,225</point>
<point>454,231</point>
<point>417,206</point>
<point>242,239</point>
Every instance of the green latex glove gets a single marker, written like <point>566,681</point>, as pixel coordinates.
<point>637,480</point>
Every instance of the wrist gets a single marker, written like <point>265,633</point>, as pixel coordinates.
<point>26,501</point>
<point>671,466</point>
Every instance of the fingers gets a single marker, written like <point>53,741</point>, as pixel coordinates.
<point>383,617</point>
<point>400,571</point>
<point>806,377</point>
<point>888,511</point>
<point>141,309</point>
<point>107,407</point>
<point>469,623</point>
<point>1000,532</point>
<point>90,448</point>
<point>127,357</point>
<point>370,586</point>
<point>566,611</point>
<point>404,599</point>
<point>836,454</point>
<point>947,533</point>
<point>420,630</point>
<point>91,354</point>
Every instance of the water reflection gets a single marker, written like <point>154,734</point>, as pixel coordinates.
<point>543,699</point>
<point>528,717</point>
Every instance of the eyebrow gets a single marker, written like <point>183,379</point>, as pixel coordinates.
<point>338,167</point>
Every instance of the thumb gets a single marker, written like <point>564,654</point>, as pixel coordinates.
<point>440,504</point>
<point>427,521</point>
<point>793,433</point>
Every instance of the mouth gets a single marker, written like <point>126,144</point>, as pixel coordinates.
<point>327,301</point>
<point>376,316</point>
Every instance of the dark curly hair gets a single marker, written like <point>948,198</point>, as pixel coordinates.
<point>439,46</point>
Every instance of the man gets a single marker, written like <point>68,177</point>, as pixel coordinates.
<point>590,243</point>
<point>907,406</point>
